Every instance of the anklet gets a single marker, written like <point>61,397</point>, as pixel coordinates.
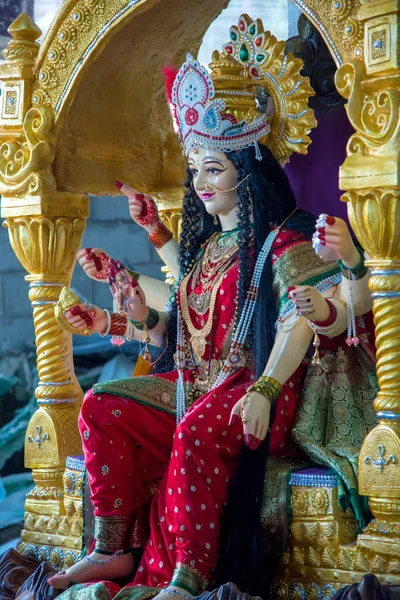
<point>177,593</point>
<point>106,561</point>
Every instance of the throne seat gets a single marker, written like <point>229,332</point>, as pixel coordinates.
<point>300,516</point>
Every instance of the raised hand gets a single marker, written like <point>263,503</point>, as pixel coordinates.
<point>87,316</point>
<point>309,303</point>
<point>142,207</point>
<point>94,261</point>
<point>127,292</point>
<point>254,410</point>
<point>333,234</point>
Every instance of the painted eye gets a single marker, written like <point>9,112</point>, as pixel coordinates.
<point>213,171</point>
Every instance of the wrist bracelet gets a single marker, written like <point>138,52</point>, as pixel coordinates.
<point>160,235</point>
<point>331,318</point>
<point>118,324</point>
<point>268,387</point>
<point>107,331</point>
<point>149,322</point>
<point>357,272</point>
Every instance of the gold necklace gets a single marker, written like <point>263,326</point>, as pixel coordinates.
<point>205,272</point>
<point>215,259</point>
<point>198,336</point>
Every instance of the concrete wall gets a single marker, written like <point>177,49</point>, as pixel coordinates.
<point>109,227</point>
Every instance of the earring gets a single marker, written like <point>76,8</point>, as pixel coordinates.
<point>216,221</point>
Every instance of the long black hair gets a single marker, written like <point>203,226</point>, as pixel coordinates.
<point>266,198</point>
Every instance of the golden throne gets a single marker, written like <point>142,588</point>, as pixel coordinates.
<point>100,63</point>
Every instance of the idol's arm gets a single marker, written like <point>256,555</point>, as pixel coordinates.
<point>361,294</point>
<point>254,408</point>
<point>157,292</point>
<point>84,316</point>
<point>95,263</point>
<point>169,255</point>
<point>288,351</point>
<point>334,234</point>
<point>144,212</point>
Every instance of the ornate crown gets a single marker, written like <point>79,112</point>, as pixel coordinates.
<point>223,109</point>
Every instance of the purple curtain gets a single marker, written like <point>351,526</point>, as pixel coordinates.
<point>314,176</point>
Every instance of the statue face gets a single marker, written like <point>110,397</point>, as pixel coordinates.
<point>212,173</point>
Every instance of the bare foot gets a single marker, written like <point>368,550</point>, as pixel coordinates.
<point>83,571</point>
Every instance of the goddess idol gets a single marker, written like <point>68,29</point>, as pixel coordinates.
<point>176,459</point>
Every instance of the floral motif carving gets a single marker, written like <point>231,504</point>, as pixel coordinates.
<point>320,500</point>
<point>78,32</point>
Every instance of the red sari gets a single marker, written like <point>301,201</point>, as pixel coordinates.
<point>133,446</point>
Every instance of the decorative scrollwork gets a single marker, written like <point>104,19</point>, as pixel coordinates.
<point>373,112</point>
<point>25,164</point>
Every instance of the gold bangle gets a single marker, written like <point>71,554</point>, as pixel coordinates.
<point>268,387</point>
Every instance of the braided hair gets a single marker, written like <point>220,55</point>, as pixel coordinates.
<point>266,199</point>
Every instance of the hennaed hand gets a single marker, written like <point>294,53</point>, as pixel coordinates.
<point>87,316</point>
<point>254,411</point>
<point>127,292</point>
<point>94,261</point>
<point>309,303</point>
<point>142,207</point>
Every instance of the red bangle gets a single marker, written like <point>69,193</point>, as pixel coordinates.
<point>160,235</point>
<point>117,324</point>
<point>332,316</point>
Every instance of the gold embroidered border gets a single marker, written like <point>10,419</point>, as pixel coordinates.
<point>112,533</point>
<point>151,391</point>
<point>299,265</point>
<point>188,579</point>
<point>137,592</point>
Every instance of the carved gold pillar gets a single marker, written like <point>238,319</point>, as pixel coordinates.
<point>45,229</point>
<point>371,177</point>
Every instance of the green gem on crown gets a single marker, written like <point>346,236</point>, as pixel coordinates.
<point>260,57</point>
<point>233,36</point>
<point>244,53</point>
<point>252,30</point>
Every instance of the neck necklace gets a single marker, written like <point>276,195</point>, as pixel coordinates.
<point>210,272</point>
